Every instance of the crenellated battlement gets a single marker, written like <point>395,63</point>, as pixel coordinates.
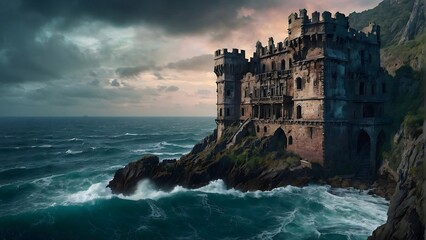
<point>236,53</point>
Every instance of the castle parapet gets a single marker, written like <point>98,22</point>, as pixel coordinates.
<point>236,53</point>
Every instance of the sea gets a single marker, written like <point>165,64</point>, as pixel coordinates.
<point>54,172</point>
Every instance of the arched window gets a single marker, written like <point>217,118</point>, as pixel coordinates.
<point>298,83</point>
<point>289,63</point>
<point>283,64</point>
<point>273,66</point>
<point>263,68</point>
<point>265,129</point>
<point>290,140</point>
<point>220,112</point>
<point>299,112</point>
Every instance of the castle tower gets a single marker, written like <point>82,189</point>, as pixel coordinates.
<point>229,68</point>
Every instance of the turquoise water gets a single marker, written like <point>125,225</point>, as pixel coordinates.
<point>53,173</point>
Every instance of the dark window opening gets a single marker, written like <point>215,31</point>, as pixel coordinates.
<point>298,83</point>
<point>362,56</point>
<point>273,66</point>
<point>242,111</point>
<point>368,111</point>
<point>361,88</point>
<point>289,63</point>
<point>258,129</point>
<point>227,111</point>
<point>265,129</point>
<point>290,140</point>
<point>383,88</point>
<point>220,112</point>
<point>311,132</point>
<point>228,93</point>
<point>333,80</point>
<point>263,68</point>
<point>282,64</point>
<point>299,112</point>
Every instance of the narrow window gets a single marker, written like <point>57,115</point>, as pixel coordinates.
<point>273,66</point>
<point>383,88</point>
<point>283,64</point>
<point>265,129</point>
<point>242,111</point>
<point>311,132</point>
<point>227,111</point>
<point>333,80</point>
<point>228,93</point>
<point>298,83</point>
<point>290,140</point>
<point>299,112</point>
<point>263,68</point>
<point>258,129</point>
<point>220,112</point>
<point>289,63</point>
<point>361,88</point>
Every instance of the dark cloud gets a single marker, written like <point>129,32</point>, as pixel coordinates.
<point>133,71</point>
<point>115,83</point>
<point>176,17</point>
<point>197,63</point>
<point>31,52</point>
<point>200,63</point>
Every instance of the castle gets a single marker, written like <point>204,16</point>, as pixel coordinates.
<point>321,89</point>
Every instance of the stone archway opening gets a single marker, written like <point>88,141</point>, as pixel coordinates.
<point>363,146</point>
<point>363,150</point>
<point>281,139</point>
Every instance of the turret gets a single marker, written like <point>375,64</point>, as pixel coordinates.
<point>229,69</point>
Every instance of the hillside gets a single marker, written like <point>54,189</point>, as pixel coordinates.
<point>402,32</point>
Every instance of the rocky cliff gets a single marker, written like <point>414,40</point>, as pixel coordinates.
<point>407,210</point>
<point>249,163</point>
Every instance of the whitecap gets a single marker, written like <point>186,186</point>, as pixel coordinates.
<point>69,151</point>
<point>131,134</point>
<point>95,191</point>
<point>45,146</point>
<point>74,139</point>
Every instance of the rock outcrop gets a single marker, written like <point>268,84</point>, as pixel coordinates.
<point>407,210</point>
<point>250,164</point>
<point>415,23</point>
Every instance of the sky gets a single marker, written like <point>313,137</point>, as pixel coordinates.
<point>131,57</point>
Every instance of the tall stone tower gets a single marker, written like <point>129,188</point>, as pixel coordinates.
<point>229,68</point>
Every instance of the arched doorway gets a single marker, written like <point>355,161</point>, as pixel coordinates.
<point>363,150</point>
<point>379,149</point>
<point>363,146</point>
<point>281,139</point>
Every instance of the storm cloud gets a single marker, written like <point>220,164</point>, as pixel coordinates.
<point>63,53</point>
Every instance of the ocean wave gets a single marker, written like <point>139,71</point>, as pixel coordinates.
<point>27,147</point>
<point>72,152</point>
<point>164,143</point>
<point>95,191</point>
<point>75,140</point>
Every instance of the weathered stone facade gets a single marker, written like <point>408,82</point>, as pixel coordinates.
<point>322,86</point>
